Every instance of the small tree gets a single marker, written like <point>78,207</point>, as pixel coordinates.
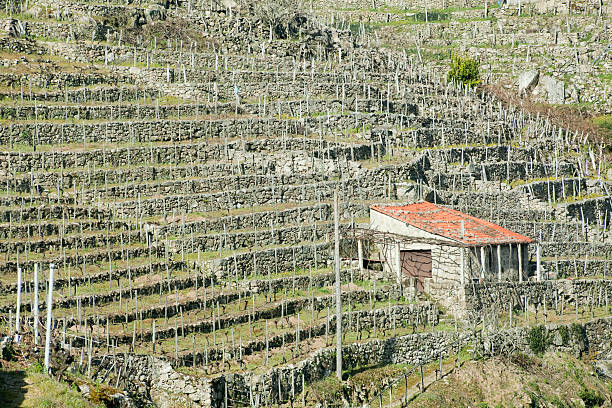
<point>464,69</point>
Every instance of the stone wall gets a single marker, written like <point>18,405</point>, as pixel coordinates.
<point>272,260</point>
<point>593,211</point>
<point>263,219</point>
<point>365,184</point>
<point>150,378</point>
<point>362,321</point>
<point>555,190</point>
<point>129,107</point>
<point>204,151</point>
<point>157,380</point>
<point>542,231</point>
<point>482,298</point>
<point>567,268</point>
<point>576,249</point>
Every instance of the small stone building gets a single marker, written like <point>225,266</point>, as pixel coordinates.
<point>434,247</point>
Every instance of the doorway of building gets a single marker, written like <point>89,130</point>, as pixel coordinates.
<point>416,264</point>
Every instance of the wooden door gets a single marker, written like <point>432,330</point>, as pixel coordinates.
<point>417,264</point>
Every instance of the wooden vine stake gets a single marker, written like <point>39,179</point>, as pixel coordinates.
<point>338,291</point>
<point>17,311</point>
<point>49,306</point>
<point>36,304</point>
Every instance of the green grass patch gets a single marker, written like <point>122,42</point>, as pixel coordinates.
<point>604,125</point>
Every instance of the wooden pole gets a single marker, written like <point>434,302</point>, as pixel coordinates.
<point>422,381</point>
<point>510,313</point>
<point>462,266</point>
<point>539,263</point>
<point>520,261</point>
<point>49,307</point>
<point>267,344</point>
<point>18,310</point>
<point>499,264</point>
<point>483,261</point>
<point>360,256</point>
<point>36,304</point>
<point>462,255</point>
<point>338,290</point>
<point>154,337</point>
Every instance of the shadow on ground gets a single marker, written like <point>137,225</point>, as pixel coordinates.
<point>12,388</point>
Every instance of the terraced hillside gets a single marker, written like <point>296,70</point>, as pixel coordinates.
<point>566,42</point>
<point>177,164</point>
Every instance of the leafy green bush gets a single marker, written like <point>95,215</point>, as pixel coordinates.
<point>564,333</point>
<point>538,339</point>
<point>464,69</point>
<point>577,332</point>
<point>591,398</point>
<point>37,367</point>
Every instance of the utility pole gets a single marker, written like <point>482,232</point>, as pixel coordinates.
<point>49,306</point>
<point>338,290</point>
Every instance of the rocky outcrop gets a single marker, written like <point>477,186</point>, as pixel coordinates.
<point>527,80</point>
<point>14,28</point>
<point>6,348</point>
<point>553,88</point>
<point>548,88</point>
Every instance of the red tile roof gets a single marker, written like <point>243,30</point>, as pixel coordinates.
<point>446,222</point>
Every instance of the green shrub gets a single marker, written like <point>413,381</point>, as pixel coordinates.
<point>535,399</point>
<point>464,69</point>
<point>538,339</point>
<point>577,332</point>
<point>564,333</point>
<point>591,398</point>
<point>37,367</point>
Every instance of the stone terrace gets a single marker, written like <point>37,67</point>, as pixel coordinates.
<point>183,187</point>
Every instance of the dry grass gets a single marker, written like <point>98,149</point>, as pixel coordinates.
<point>570,117</point>
<point>555,380</point>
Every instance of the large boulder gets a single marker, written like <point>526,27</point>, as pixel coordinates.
<point>230,4</point>
<point>604,368</point>
<point>555,89</point>
<point>137,19</point>
<point>155,13</point>
<point>527,81</point>
<point>14,28</point>
<point>6,348</point>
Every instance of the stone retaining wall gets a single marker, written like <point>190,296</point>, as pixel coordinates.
<point>567,268</point>
<point>154,378</point>
<point>482,298</point>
